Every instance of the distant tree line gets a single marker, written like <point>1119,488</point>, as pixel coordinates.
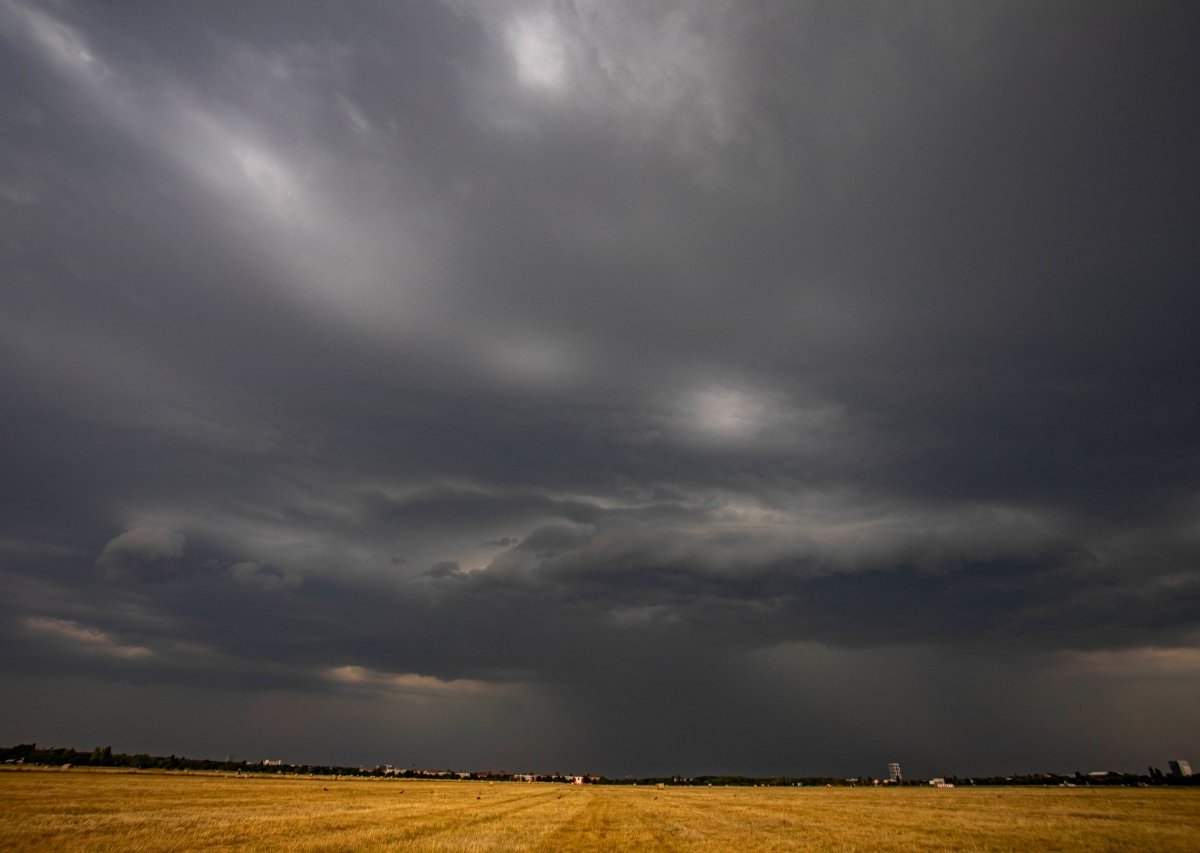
<point>103,756</point>
<point>29,753</point>
<point>743,781</point>
<point>1154,777</point>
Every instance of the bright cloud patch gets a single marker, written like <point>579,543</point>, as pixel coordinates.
<point>83,638</point>
<point>727,413</point>
<point>536,44</point>
<point>410,682</point>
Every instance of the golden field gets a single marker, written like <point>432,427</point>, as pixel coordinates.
<point>94,810</point>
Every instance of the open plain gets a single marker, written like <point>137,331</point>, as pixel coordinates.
<point>98,811</point>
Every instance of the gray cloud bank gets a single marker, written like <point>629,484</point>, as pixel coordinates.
<point>746,387</point>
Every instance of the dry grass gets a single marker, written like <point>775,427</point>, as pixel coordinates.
<point>98,811</point>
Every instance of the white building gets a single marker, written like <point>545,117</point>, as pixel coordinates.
<point>1180,768</point>
<point>894,774</point>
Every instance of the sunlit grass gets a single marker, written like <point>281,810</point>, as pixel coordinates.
<point>100,811</point>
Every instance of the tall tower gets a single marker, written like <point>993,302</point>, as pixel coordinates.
<point>894,773</point>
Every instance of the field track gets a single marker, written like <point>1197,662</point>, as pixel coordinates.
<point>102,811</point>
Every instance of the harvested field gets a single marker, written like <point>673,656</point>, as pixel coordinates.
<point>98,811</point>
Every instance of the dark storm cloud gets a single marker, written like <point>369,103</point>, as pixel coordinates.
<point>437,362</point>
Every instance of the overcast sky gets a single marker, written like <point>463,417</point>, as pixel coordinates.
<point>619,387</point>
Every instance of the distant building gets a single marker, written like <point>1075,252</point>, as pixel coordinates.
<point>894,774</point>
<point>1180,768</point>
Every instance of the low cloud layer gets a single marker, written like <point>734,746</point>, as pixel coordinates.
<point>762,387</point>
<point>141,552</point>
